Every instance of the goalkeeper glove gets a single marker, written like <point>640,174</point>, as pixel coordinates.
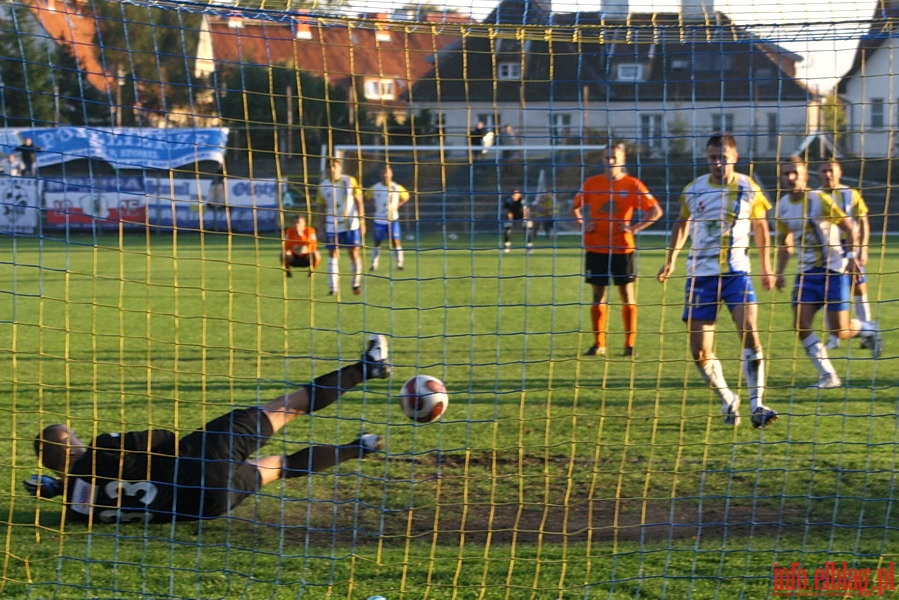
<point>43,486</point>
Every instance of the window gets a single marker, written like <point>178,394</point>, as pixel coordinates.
<point>304,31</point>
<point>723,123</point>
<point>380,89</point>
<point>773,128</point>
<point>629,72</point>
<point>877,113</point>
<point>382,34</point>
<point>560,127</point>
<point>650,128</point>
<point>509,71</point>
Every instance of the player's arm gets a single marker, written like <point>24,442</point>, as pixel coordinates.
<point>864,238</point>
<point>785,247</point>
<point>359,201</point>
<point>761,234</point>
<point>679,234</point>
<point>650,216</point>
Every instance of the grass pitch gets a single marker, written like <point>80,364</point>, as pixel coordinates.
<point>552,475</point>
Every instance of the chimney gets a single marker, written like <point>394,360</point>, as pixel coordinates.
<point>697,10</point>
<point>614,9</point>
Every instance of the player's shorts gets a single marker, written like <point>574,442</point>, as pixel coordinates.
<point>601,268</point>
<point>387,231</point>
<point>703,295</point>
<point>213,475</point>
<point>349,239</point>
<point>300,260</point>
<point>822,288</point>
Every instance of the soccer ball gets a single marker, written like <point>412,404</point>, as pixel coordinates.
<point>424,398</point>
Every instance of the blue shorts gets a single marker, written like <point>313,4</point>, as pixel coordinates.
<point>822,288</point>
<point>350,239</point>
<point>387,231</point>
<point>862,278</point>
<point>704,294</point>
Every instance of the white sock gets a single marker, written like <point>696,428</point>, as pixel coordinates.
<point>817,353</point>
<point>375,255</point>
<point>399,257</point>
<point>713,375</point>
<point>334,272</point>
<point>862,308</point>
<point>357,272</point>
<point>754,371</point>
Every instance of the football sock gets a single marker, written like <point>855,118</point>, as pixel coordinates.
<point>399,257</point>
<point>334,272</point>
<point>375,254</point>
<point>713,375</point>
<point>599,316</point>
<point>326,389</point>
<point>357,272</point>
<point>862,307</point>
<point>317,458</point>
<point>754,371</point>
<point>629,316</point>
<point>817,353</point>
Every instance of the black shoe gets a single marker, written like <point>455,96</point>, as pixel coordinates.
<point>357,290</point>
<point>595,350</point>
<point>368,443</point>
<point>629,351</point>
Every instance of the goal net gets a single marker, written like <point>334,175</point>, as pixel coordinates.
<point>155,156</point>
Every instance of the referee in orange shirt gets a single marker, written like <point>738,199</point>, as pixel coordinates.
<point>604,208</point>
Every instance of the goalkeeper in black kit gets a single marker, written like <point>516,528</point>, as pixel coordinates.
<point>152,476</point>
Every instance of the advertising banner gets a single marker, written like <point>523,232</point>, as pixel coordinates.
<point>123,147</point>
<point>19,204</point>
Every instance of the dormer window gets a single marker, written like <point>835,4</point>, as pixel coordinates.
<point>508,71</point>
<point>382,34</point>
<point>380,89</point>
<point>629,72</point>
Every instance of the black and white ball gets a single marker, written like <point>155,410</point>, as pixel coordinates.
<point>424,398</point>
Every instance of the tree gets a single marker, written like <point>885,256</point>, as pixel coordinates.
<point>148,51</point>
<point>25,100</point>
<point>260,96</point>
<point>833,117</point>
<point>77,101</point>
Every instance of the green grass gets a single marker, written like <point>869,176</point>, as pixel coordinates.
<point>551,475</point>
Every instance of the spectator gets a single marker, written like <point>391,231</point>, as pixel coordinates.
<point>28,152</point>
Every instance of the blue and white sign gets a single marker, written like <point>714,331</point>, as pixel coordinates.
<point>125,147</point>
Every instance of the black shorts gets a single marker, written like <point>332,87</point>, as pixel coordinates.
<point>212,473</point>
<point>300,260</point>
<point>617,268</point>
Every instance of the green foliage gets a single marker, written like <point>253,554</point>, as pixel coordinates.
<point>23,72</point>
<point>150,51</point>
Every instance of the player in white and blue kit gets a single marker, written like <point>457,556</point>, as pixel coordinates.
<point>814,227</point>
<point>344,215</point>
<point>720,212</point>
<point>830,173</point>
<point>387,196</point>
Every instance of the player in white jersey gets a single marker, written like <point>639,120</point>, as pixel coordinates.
<point>830,173</point>
<point>719,212</point>
<point>344,215</point>
<point>388,196</point>
<point>826,240</point>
